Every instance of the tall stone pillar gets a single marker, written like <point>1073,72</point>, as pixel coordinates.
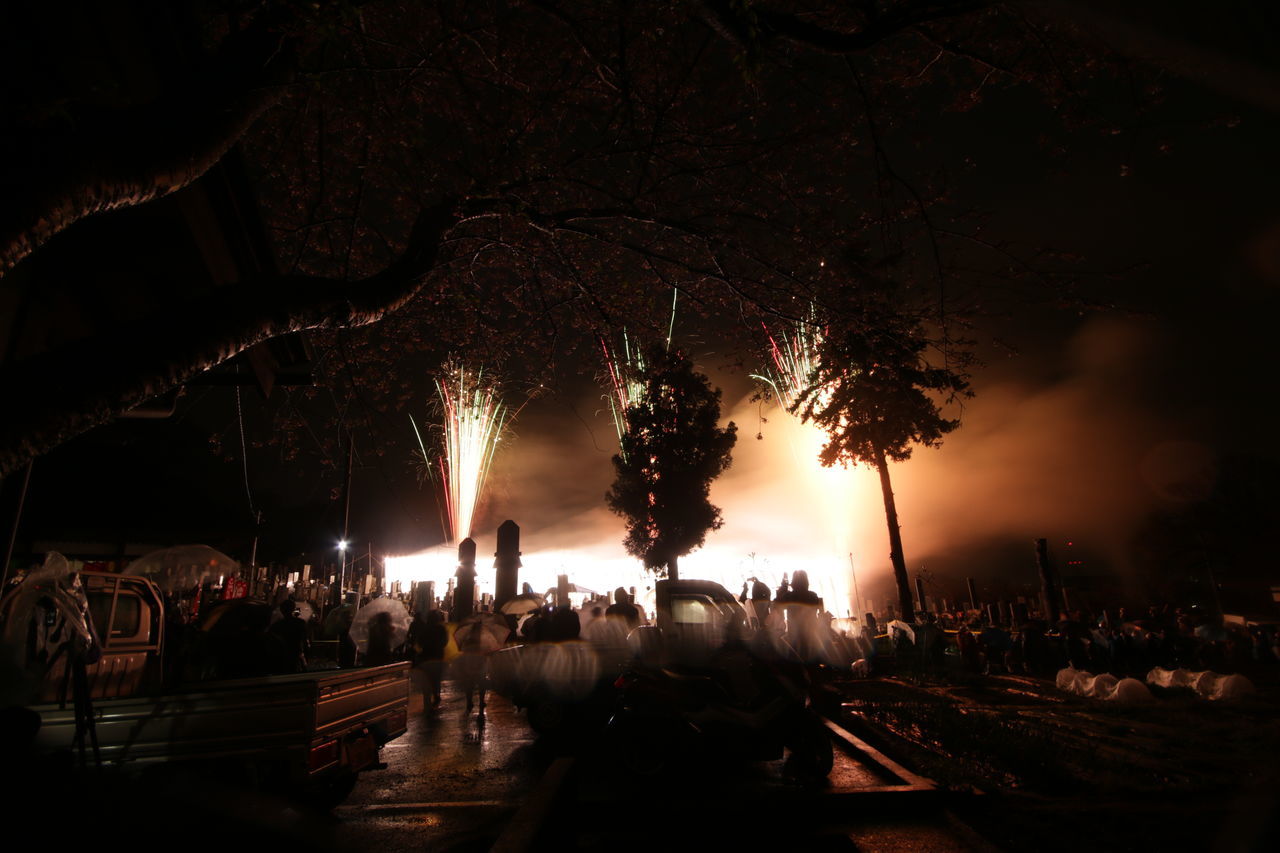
<point>507,563</point>
<point>465,595</point>
<point>920,594</point>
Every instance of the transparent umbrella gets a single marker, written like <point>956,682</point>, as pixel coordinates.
<point>52,596</point>
<point>904,627</point>
<point>338,621</point>
<point>364,617</point>
<point>182,567</point>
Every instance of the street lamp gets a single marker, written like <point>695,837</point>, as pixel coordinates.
<point>342,575</point>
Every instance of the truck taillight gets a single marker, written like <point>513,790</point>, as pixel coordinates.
<point>323,755</point>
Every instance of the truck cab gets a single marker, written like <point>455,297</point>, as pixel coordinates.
<point>694,617</point>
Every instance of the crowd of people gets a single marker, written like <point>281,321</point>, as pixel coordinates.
<point>984,640</point>
<point>1112,641</point>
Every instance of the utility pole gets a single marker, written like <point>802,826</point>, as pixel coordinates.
<point>17,519</point>
<point>346,515</point>
<point>857,597</point>
<point>253,552</point>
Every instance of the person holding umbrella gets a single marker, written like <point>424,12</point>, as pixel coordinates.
<point>476,637</point>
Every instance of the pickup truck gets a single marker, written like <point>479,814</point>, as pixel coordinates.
<point>305,735</point>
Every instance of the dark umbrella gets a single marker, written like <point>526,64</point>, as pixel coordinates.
<point>484,632</point>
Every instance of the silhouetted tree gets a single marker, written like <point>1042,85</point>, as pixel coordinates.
<point>672,451</point>
<point>876,395</point>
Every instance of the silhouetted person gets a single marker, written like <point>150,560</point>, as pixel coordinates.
<point>378,651</point>
<point>532,626</point>
<point>623,608</point>
<point>970,649</point>
<point>470,669</point>
<point>288,639</point>
<point>801,606</point>
<point>929,642</point>
<point>428,638</point>
<point>759,607</point>
<point>563,624</point>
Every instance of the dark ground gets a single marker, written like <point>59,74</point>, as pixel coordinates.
<point>1029,766</point>
<point>1019,765</point>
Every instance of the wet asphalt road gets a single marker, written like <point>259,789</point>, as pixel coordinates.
<point>452,782</point>
<point>455,784</point>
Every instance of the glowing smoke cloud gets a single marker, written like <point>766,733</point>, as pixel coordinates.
<point>474,418</point>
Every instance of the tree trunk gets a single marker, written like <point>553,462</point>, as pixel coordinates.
<point>895,541</point>
<point>1050,597</point>
<point>55,397</point>
<point>673,568</point>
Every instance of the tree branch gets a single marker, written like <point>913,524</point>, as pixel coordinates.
<point>754,23</point>
<point>101,162</point>
<point>56,396</point>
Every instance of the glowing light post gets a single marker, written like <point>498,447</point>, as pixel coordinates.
<point>343,544</point>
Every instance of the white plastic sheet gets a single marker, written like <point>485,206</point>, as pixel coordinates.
<point>1105,686</point>
<point>1206,683</point>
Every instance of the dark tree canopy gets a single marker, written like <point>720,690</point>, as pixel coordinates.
<point>874,392</point>
<point>672,451</point>
<point>523,173</point>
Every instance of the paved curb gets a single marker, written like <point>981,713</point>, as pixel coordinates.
<point>898,777</point>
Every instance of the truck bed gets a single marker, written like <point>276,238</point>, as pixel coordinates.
<point>270,718</point>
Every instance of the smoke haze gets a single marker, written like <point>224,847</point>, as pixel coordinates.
<point>1081,456</point>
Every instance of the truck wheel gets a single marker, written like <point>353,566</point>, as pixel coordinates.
<point>326,795</point>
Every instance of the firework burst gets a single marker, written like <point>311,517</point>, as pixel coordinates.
<point>625,371</point>
<point>474,421</point>
<point>793,359</point>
